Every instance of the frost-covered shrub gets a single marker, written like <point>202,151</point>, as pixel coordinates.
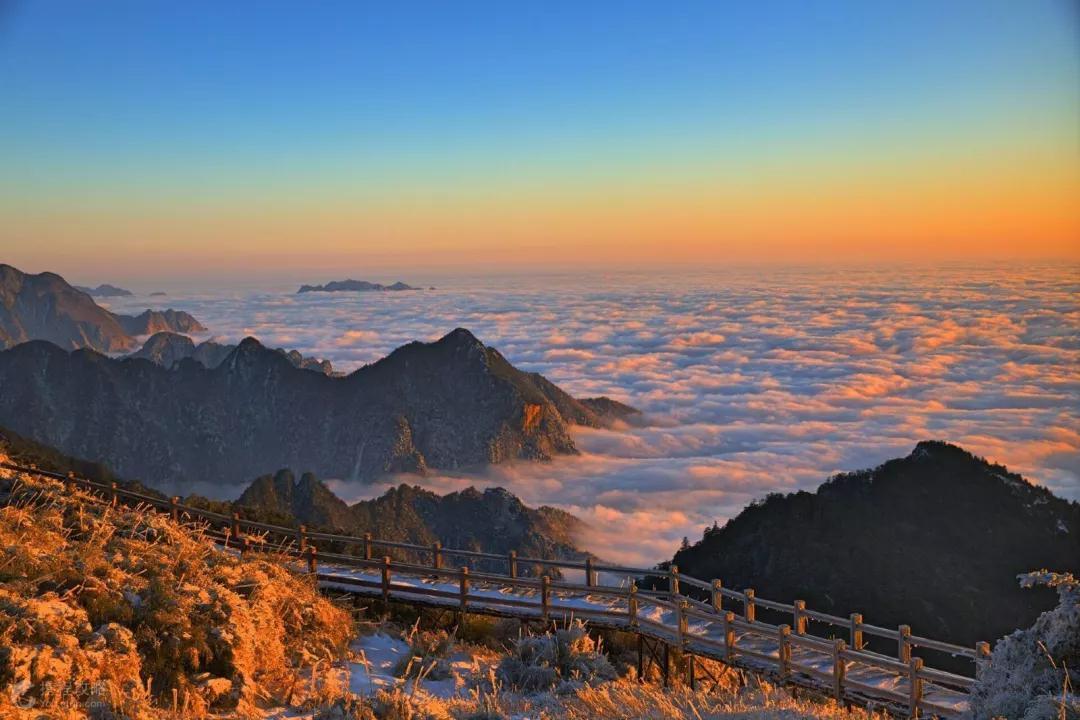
<point>429,655</point>
<point>1032,672</point>
<point>125,611</point>
<point>562,661</point>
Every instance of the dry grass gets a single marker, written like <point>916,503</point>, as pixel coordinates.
<point>120,611</point>
<point>622,699</point>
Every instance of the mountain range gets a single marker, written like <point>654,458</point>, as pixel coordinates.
<point>448,405</point>
<point>105,290</point>
<point>46,307</point>
<point>935,540</point>
<point>493,520</point>
<point>168,349</point>
<point>355,286</point>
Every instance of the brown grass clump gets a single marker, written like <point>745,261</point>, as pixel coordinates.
<point>113,611</point>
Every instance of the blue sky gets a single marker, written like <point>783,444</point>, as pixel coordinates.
<point>178,105</point>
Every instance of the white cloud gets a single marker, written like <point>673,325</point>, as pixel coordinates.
<point>753,385</point>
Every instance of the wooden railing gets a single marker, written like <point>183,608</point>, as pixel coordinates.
<point>818,650</point>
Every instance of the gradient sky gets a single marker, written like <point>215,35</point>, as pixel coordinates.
<point>175,139</point>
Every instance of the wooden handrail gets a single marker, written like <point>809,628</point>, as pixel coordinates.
<point>626,612</point>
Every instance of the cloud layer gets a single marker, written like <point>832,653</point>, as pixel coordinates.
<point>754,383</point>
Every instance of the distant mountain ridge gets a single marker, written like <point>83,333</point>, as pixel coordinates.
<point>168,349</point>
<point>355,286</point>
<point>105,290</point>
<point>935,540</point>
<point>46,307</point>
<point>451,404</point>
<point>493,520</point>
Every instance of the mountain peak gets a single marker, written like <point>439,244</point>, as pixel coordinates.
<point>460,337</point>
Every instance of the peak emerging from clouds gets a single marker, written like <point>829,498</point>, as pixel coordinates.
<point>355,286</point>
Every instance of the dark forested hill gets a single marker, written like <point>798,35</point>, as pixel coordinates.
<point>934,540</point>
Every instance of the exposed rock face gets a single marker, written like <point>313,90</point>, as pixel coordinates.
<point>168,349</point>
<point>493,520</point>
<point>449,404</point>
<point>355,286</point>
<point>105,290</point>
<point>46,307</point>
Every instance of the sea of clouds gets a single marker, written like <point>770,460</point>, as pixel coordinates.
<point>752,382</point>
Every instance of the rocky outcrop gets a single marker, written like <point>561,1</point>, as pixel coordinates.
<point>450,404</point>
<point>355,286</point>
<point>46,307</point>
<point>168,349</point>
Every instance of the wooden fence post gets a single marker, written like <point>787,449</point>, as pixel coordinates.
<point>914,686</point>
<point>683,622</point>
<point>545,597</point>
<point>511,562</point>
<point>386,580</point>
<point>799,628</point>
<point>367,546</point>
<point>717,596</point>
<point>590,578</point>
<point>114,499</point>
<point>301,538</point>
<point>784,653</point>
<point>673,578</point>
<point>174,508</point>
<point>729,635</point>
<point>312,563</point>
<point>748,605</point>
<point>234,529</point>
<point>632,603</point>
<point>856,636</point>
<point>903,649</point>
<point>839,669</point>
<point>464,592</point>
<point>436,555</point>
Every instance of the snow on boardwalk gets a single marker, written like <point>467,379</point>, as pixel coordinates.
<point>704,631</point>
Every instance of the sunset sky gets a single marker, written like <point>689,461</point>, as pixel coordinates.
<point>178,139</point>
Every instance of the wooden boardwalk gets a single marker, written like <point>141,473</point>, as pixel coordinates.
<point>817,651</point>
